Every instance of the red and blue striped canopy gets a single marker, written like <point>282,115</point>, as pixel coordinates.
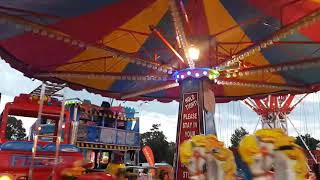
<point>108,47</point>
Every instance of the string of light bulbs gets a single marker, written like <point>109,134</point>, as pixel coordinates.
<point>276,68</point>
<point>256,85</point>
<point>181,37</point>
<point>42,30</point>
<point>281,34</point>
<point>105,76</point>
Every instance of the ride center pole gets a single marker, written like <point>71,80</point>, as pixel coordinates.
<point>196,116</point>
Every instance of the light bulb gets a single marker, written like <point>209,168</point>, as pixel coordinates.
<point>43,33</point>
<point>279,68</point>
<point>5,177</point>
<point>35,31</point>
<point>51,35</point>
<point>197,74</point>
<point>74,42</point>
<point>193,53</point>
<point>66,40</point>
<point>81,44</point>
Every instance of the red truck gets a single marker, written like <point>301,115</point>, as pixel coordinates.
<point>39,158</point>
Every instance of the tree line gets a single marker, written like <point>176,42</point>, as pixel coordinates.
<point>163,149</point>
<point>241,132</point>
<point>15,130</point>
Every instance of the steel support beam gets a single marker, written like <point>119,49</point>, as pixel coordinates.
<point>260,84</point>
<point>272,68</point>
<point>284,6</point>
<point>292,107</point>
<point>273,114</point>
<point>35,14</point>
<point>166,43</point>
<point>179,27</point>
<point>150,90</point>
<point>284,31</point>
<point>103,75</point>
<point>276,43</point>
<point>44,30</point>
<point>274,120</point>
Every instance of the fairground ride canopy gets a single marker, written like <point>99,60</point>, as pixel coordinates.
<point>134,49</point>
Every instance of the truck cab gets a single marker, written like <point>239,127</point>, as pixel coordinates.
<point>17,156</point>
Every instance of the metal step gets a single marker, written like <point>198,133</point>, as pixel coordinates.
<point>51,89</point>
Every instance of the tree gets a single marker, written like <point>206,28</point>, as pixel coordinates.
<point>163,150</point>
<point>237,136</point>
<point>15,130</point>
<point>310,141</point>
<point>171,152</point>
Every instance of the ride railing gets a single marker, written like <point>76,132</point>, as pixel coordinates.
<point>106,135</point>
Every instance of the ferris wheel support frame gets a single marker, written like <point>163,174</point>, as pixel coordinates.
<point>274,109</point>
<point>275,122</point>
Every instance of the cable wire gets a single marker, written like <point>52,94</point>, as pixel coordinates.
<point>304,143</point>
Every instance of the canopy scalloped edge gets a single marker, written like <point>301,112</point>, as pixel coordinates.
<point>17,64</point>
